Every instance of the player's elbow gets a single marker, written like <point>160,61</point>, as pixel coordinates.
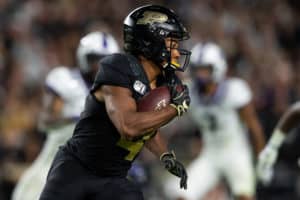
<point>129,132</point>
<point>122,124</point>
<point>126,125</point>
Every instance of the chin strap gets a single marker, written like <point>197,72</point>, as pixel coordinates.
<point>172,65</point>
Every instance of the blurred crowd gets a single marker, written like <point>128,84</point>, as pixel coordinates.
<point>261,39</point>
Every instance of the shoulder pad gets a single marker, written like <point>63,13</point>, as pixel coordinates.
<point>56,80</point>
<point>239,93</point>
<point>113,70</point>
<point>118,62</point>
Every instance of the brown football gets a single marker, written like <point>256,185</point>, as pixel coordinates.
<point>156,99</point>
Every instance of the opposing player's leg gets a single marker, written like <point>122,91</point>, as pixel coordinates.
<point>202,177</point>
<point>63,179</point>
<point>33,180</point>
<point>239,172</point>
<point>31,184</point>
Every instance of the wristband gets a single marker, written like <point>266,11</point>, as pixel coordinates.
<point>167,153</point>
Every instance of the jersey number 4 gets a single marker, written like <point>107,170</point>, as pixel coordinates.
<point>134,147</point>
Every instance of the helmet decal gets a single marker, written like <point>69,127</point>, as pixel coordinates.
<point>150,17</point>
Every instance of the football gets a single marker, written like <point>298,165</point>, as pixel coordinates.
<point>156,99</point>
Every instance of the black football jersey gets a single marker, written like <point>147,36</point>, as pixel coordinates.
<point>96,141</point>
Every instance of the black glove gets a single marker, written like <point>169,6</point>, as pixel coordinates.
<point>180,98</point>
<point>175,167</point>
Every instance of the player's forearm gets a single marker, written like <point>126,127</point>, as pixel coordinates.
<point>248,114</point>
<point>257,136</point>
<point>290,119</point>
<point>157,145</point>
<point>136,124</point>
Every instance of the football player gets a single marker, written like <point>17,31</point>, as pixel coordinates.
<point>268,156</point>
<point>111,132</point>
<point>66,90</point>
<point>223,112</point>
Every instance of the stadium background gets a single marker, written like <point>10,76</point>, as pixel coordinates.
<point>261,39</point>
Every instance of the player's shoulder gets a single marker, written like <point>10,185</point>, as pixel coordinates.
<point>117,61</point>
<point>238,92</point>
<point>61,80</point>
<point>114,58</point>
<point>237,84</point>
<point>58,75</point>
<point>57,72</point>
<point>115,69</point>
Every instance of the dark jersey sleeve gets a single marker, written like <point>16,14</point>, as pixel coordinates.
<point>113,70</point>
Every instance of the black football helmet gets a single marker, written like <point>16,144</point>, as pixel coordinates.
<point>145,30</point>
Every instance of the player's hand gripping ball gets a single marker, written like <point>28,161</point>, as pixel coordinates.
<point>156,99</point>
<point>175,167</point>
<point>180,98</point>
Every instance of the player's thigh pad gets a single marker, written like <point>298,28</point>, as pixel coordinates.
<point>68,179</point>
<point>117,189</point>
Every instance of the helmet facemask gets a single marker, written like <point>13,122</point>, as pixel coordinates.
<point>177,63</point>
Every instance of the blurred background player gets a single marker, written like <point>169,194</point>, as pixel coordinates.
<point>223,112</point>
<point>66,90</point>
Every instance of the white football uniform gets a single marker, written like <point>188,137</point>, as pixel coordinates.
<point>70,86</point>
<point>226,150</point>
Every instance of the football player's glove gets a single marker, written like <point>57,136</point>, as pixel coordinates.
<point>180,98</point>
<point>175,167</point>
<point>268,157</point>
<point>265,166</point>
